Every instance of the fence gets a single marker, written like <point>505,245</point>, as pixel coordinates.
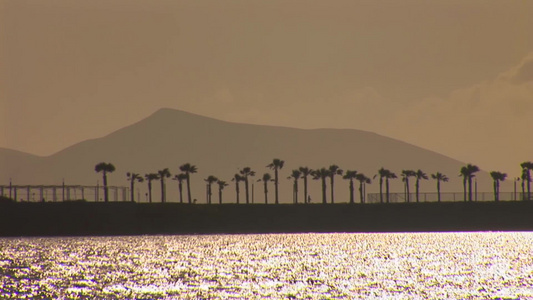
<point>57,193</point>
<point>444,197</point>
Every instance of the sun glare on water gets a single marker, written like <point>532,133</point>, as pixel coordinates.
<point>313,266</point>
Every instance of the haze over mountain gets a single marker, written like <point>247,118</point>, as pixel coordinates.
<point>169,138</point>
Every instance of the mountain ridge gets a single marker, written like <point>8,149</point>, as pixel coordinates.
<point>168,138</point>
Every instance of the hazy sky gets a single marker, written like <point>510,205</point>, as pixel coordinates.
<point>451,76</point>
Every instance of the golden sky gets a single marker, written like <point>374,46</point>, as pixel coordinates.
<point>455,77</point>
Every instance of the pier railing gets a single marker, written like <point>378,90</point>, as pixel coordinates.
<point>444,197</point>
<point>60,193</point>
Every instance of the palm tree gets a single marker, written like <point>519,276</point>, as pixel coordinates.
<point>389,175</point>
<point>333,170</point>
<point>405,178</point>
<point>419,175</point>
<point>245,172</point>
<point>276,165</point>
<point>439,177</point>
<point>322,174</point>
<point>527,166</point>
<point>210,180</point>
<point>237,178</point>
<point>165,173</point>
<point>188,169</point>
<point>221,185</point>
<point>149,177</point>
<point>497,177</point>
<point>265,179</point>
<point>362,181</point>
<point>180,177</point>
<point>295,175</point>
<point>468,172</point>
<point>132,177</point>
<point>350,175</point>
<point>381,173</point>
<point>305,172</point>
<point>105,168</point>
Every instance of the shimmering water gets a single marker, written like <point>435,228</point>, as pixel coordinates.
<point>314,266</point>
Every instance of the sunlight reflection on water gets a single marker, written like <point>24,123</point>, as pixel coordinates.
<point>395,265</point>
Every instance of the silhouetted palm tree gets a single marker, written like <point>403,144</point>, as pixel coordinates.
<point>419,175</point>
<point>381,173</point>
<point>188,169</point>
<point>389,175</point>
<point>180,177</point>
<point>295,175</point>
<point>221,185</point>
<point>439,177</point>
<point>210,180</point>
<point>276,165</point>
<point>527,166</point>
<point>237,178</point>
<point>149,177</point>
<point>333,170</point>
<point>350,175</point>
<point>105,168</point>
<point>321,174</point>
<point>468,172</point>
<point>305,172</point>
<point>132,177</point>
<point>245,172</point>
<point>265,179</point>
<point>165,173</point>
<point>497,177</point>
<point>362,181</point>
<point>405,178</point>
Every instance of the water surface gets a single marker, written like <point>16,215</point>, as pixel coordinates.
<point>314,266</point>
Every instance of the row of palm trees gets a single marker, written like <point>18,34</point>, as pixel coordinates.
<point>323,174</point>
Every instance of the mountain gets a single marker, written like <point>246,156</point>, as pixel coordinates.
<point>169,138</point>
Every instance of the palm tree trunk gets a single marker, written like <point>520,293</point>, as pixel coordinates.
<point>495,191</point>
<point>464,188</point>
<point>189,187</point>
<point>305,189</point>
<point>408,192</point>
<point>324,191</point>
<point>219,195</point>
<point>417,189</point>
<point>150,190</point>
<point>276,183</point>
<point>296,191</point>
<point>162,190</point>
<point>266,191</point>
<point>351,192</point>
<point>132,183</point>
<point>470,189</point>
<point>361,192</point>
<point>381,189</point>
<point>180,187</point>
<point>237,190</point>
<point>523,191</point>
<point>528,177</point>
<point>332,190</point>
<point>246,190</point>
<point>105,187</point>
<point>438,190</point>
<point>387,189</point>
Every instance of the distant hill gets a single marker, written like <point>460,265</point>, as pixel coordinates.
<point>169,138</point>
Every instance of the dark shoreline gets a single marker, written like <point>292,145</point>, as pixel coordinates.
<point>97,219</point>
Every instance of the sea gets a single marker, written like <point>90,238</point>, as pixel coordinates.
<point>455,265</point>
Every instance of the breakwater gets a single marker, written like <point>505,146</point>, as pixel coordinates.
<point>84,218</point>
